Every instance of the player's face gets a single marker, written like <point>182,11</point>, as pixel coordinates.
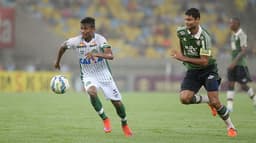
<point>233,25</point>
<point>87,31</point>
<point>191,22</point>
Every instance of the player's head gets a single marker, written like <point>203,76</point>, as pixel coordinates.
<point>87,27</point>
<point>234,23</point>
<point>192,18</point>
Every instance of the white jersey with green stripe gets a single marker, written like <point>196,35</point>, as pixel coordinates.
<point>96,68</point>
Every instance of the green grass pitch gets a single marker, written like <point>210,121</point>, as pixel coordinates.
<point>153,117</point>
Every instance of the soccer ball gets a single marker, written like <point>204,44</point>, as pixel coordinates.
<point>59,84</point>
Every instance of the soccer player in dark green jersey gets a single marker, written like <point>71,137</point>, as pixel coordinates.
<point>196,55</point>
<point>238,70</point>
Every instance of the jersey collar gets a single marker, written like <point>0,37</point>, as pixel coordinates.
<point>238,32</point>
<point>93,39</point>
<point>198,34</point>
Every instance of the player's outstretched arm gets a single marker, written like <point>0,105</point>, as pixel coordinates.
<point>107,54</point>
<point>60,53</point>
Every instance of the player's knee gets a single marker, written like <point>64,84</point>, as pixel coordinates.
<point>231,86</point>
<point>244,87</point>
<point>185,99</point>
<point>92,91</point>
<point>215,103</point>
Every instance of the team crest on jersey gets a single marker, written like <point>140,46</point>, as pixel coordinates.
<point>182,33</point>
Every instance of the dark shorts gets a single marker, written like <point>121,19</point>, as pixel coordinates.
<point>239,74</point>
<point>196,78</point>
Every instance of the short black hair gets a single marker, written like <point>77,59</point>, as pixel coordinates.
<point>88,20</point>
<point>194,12</point>
<point>236,19</point>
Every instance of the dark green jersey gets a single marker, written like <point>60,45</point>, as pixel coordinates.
<point>194,46</point>
<point>238,40</point>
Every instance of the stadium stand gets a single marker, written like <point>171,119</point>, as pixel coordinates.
<point>144,24</point>
<point>141,31</point>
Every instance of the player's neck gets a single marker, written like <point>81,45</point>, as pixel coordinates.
<point>88,39</point>
<point>194,30</point>
<point>236,30</point>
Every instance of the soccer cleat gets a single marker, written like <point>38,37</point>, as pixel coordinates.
<point>127,131</point>
<point>107,125</point>
<point>232,132</point>
<point>213,110</point>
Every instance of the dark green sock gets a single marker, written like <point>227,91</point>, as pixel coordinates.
<point>95,101</point>
<point>120,110</point>
<point>223,112</point>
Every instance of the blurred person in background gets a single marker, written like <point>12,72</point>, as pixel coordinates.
<point>93,52</point>
<point>196,55</point>
<point>238,70</point>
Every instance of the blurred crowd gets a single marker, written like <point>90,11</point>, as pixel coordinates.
<point>137,28</point>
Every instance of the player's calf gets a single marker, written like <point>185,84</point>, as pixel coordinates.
<point>223,112</point>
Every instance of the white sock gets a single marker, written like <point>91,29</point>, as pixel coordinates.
<point>101,111</point>
<point>251,94</point>
<point>205,99</point>
<point>229,123</point>
<point>230,99</point>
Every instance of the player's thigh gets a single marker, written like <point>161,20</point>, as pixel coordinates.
<point>231,75</point>
<point>90,82</point>
<point>212,84</point>
<point>191,83</point>
<point>110,91</point>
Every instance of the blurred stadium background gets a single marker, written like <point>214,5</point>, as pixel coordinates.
<point>141,33</point>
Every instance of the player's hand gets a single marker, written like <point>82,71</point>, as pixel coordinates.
<point>173,53</point>
<point>177,55</point>
<point>57,66</point>
<point>89,55</point>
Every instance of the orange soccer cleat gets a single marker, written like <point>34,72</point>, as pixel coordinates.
<point>107,125</point>
<point>127,131</point>
<point>232,132</point>
<point>213,110</point>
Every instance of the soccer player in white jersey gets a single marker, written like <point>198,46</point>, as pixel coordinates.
<point>238,71</point>
<point>93,52</point>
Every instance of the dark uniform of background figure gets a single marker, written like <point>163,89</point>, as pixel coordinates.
<point>238,70</point>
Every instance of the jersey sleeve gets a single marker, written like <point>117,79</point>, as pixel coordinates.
<point>243,40</point>
<point>103,43</point>
<point>205,50</point>
<point>181,32</point>
<point>71,43</point>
